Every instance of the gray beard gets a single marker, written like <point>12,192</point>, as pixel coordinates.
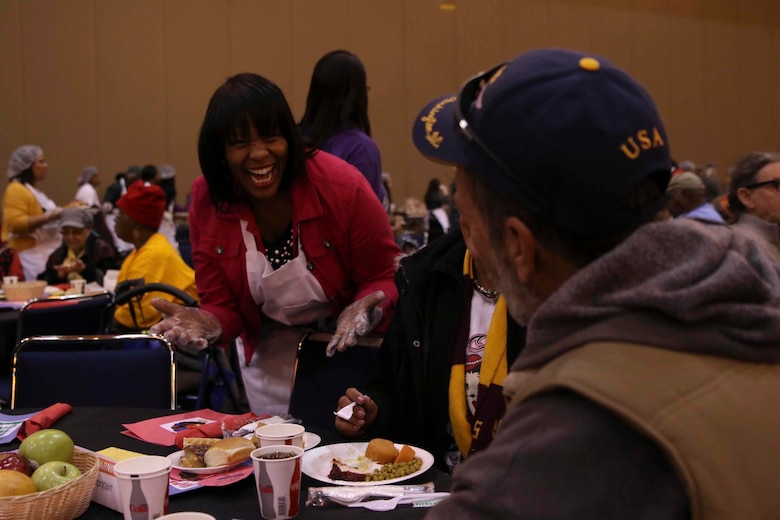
<point>520,301</point>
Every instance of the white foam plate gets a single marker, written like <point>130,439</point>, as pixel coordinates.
<point>177,455</point>
<point>318,462</point>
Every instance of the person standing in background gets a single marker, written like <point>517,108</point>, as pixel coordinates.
<point>437,203</point>
<point>336,116</point>
<point>29,216</point>
<point>88,181</point>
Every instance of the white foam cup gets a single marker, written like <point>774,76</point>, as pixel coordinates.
<point>10,280</point>
<point>278,481</point>
<point>143,486</point>
<point>280,434</point>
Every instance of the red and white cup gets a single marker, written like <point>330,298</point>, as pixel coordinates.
<point>278,480</point>
<point>143,486</point>
<point>285,434</point>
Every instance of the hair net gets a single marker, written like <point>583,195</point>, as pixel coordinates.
<point>167,171</point>
<point>22,158</point>
<point>87,174</point>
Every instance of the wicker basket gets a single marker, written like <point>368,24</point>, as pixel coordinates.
<point>24,291</point>
<point>64,502</point>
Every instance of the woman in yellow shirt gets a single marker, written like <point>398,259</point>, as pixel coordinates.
<point>153,259</point>
<point>30,217</point>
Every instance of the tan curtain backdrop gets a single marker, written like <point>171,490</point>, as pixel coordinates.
<point>120,82</point>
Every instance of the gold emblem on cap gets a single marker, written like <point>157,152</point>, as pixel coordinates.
<point>430,120</point>
<point>591,64</point>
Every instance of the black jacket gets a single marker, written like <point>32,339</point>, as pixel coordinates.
<point>411,384</point>
<point>99,256</point>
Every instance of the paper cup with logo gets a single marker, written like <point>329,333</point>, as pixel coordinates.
<point>10,280</point>
<point>78,284</point>
<point>278,480</point>
<point>143,486</point>
<point>280,434</point>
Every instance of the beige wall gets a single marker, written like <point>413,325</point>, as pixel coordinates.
<point>121,82</point>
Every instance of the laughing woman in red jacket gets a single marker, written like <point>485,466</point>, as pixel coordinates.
<point>284,240</point>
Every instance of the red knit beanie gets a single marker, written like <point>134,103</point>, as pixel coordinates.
<point>144,203</point>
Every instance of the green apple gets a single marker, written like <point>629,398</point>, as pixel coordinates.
<point>53,474</point>
<point>47,445</point>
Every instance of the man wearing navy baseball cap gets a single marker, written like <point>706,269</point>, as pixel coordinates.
<point>649,381</point>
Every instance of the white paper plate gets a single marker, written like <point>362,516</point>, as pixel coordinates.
<point>310,439</point>
<point>177,455</point>
<point>318,462</point>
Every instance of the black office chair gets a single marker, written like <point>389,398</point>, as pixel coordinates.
<point>125,370</point>
<point>206,379</point>
<point>319,381</point>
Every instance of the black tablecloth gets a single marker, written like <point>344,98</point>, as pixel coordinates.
<point>98,428</point>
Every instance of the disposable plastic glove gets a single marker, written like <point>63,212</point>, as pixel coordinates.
<point>186,327</point>
<point>358,319</point>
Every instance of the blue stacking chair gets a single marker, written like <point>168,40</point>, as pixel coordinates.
<point>123,370</point>
<point>61,315</point>
<point>218,385</point>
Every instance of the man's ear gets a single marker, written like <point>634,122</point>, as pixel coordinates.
<point>745,197</point>
<point>520,248</point>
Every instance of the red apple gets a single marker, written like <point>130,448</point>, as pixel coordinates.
<point>11,460</point>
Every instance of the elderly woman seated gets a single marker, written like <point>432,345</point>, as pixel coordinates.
<point>152,260</point>
<point>84,254</point>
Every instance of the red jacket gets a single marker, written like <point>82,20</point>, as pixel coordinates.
<point>344,232</point>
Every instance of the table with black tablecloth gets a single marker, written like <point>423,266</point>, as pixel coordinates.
<point>98,428</point>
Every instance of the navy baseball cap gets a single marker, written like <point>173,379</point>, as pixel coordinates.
<point>568,134</point>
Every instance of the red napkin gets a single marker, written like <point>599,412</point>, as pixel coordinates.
<point>214,429</point>
<point>43,419</point>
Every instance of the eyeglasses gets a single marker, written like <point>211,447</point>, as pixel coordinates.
<point>775,183</point>
<point>470,93</point>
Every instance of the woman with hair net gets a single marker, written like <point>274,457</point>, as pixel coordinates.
<point>88,181</point>
<point>30,217</point>
<point>284,240</point>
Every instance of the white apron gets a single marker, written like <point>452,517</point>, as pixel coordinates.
<point>292,299</point>
<point>47,239</point>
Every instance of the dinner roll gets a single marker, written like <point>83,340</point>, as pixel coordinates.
<point>228,451</point>
<point>381,451</point>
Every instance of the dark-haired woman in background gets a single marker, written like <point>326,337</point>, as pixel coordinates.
<point>283,239</point>
<point>336,117</point>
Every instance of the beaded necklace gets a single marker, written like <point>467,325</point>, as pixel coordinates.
<point>487,293</point>
<point>281,251</point>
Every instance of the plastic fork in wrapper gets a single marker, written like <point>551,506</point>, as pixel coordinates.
<point>345,495</point>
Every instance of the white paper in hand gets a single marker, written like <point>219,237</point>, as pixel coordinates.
<point>346,412</point>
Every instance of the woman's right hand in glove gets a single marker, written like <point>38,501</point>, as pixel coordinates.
<point>186,327</point>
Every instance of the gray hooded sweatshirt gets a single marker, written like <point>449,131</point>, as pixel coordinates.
<point>682,285</point>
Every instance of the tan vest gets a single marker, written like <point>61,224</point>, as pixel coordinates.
<point>717,419</point>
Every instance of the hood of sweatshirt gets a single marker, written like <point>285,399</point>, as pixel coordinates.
<point>683,285</point>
